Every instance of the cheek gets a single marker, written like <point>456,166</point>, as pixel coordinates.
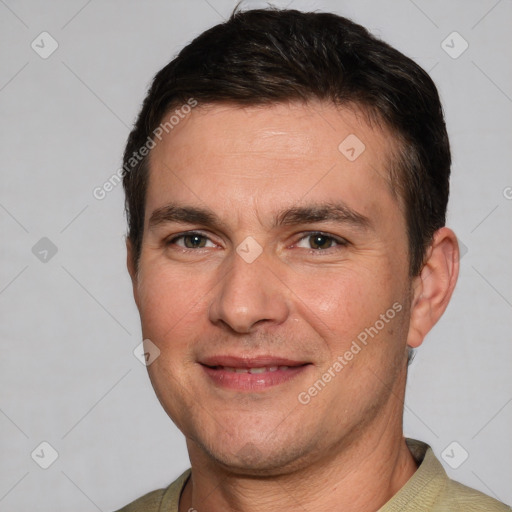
<point>342,305</point>
<point>172,314</point>
<point>168,301</point>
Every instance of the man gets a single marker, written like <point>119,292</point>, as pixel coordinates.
<point>286,188</point>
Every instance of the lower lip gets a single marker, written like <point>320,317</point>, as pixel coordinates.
<point>252,381</point>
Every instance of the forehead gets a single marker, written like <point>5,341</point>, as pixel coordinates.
<point>229,156</point>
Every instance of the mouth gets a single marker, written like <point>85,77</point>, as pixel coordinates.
<point>251,374</point>
<point>253,371</point>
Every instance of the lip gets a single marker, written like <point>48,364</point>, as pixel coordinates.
<point>250,362</point>
<point>222,371</point>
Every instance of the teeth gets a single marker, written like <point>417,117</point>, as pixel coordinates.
<point>257,370</point>
<point>262,369</point>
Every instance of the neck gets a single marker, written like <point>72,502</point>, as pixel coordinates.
<point>362,476</point>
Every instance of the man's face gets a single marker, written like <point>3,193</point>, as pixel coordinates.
<point>267,253</point>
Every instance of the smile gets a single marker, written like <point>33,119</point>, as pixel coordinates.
<point>251,374</point>
<point>262,369</point>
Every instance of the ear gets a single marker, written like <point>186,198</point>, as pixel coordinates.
<point>433,288</point>
<point>130,265</point>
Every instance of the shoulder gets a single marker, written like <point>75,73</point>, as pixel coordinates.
<point>162,499</point>
<point>431,489</point>
<point>456,496</point>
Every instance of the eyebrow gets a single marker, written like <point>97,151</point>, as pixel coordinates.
<point>337,212</point>
<point>183,214</point>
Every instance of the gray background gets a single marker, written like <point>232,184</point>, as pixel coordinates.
<point>69,325</point>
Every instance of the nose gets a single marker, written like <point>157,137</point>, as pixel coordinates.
<point>249,295</point>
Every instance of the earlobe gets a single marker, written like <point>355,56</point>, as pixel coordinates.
<point>433,288</point>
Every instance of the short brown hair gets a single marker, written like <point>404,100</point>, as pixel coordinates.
<point>267,56</point>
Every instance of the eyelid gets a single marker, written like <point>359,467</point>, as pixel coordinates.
<point>341,242</point>
<point>176,236</point>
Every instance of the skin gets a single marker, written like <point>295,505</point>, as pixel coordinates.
<point>251,450</point>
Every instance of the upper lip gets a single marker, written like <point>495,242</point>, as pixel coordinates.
<point>250,362</point>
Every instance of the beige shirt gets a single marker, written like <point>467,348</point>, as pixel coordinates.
<point>429,489</point>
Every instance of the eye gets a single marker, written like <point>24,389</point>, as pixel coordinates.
<point>191,241</point>
<point>319,241</point>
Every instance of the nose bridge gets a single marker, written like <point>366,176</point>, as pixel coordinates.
<point>249,292</point>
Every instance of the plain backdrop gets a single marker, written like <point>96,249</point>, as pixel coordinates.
<point>68,322</point>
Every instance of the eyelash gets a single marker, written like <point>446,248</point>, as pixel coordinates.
<point>340,242</point>
<point>172,241</point>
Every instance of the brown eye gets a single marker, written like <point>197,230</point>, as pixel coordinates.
<point>194,241</point>
<point>191,241</point>
<point>319,241</point>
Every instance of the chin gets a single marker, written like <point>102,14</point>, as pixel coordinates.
<point>250,461</point>
<point>252,454</point>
